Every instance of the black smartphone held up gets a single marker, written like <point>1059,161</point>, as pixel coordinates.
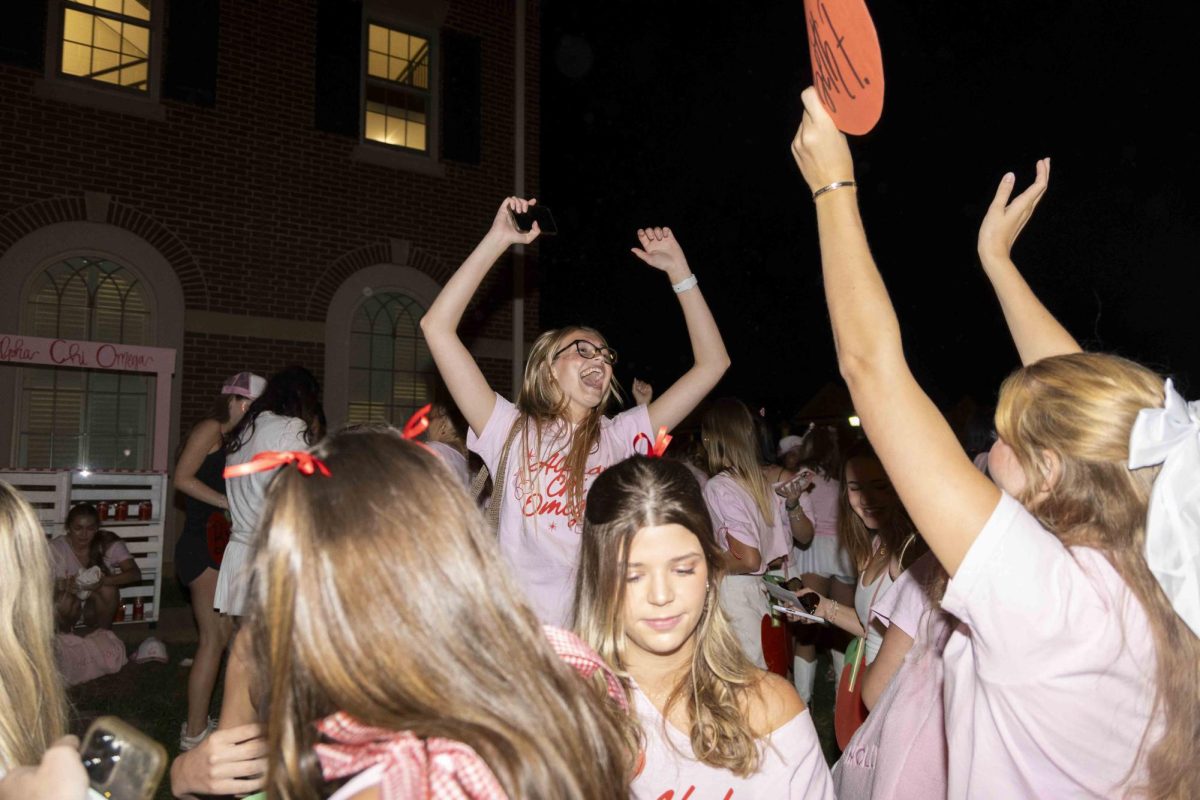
<point>539,214</point>
<point>121,761</point>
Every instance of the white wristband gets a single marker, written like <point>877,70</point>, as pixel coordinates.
<point>685,284</point>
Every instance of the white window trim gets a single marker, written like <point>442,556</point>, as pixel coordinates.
<point>95,94</point>
<point>340,318</point>
<point>430,34</point>
<point>24,261</point>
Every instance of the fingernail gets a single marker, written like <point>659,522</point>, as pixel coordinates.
<point>1009,177</point>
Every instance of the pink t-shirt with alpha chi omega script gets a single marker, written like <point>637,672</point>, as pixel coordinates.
<point>539,528</point>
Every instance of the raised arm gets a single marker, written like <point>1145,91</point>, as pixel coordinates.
<point>203,438</point>
<point>948,499</point>
<point>457,366</point>
<point>660,249</point>
<point>1035,331</point>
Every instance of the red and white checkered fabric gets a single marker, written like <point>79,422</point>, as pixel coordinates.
<point>433,768</point>
<point>438,769</point>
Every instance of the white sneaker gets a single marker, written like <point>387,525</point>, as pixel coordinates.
<point>189,742</point>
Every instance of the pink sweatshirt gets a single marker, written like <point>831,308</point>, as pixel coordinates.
<point>821,506</point>
<point>735,515</point>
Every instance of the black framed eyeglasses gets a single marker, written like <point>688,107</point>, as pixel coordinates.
<point>589,351</point>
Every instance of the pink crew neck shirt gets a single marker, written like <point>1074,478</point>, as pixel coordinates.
<point>539,529</point>
<point>821,506</point>
<point>736,516</point>
<point>791,764</point>
<point>66,563</point>
<point>1050,673</point>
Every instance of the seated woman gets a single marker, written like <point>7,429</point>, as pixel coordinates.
<point>93,565</point>
<point>647,598</point>
<point>391,648</point>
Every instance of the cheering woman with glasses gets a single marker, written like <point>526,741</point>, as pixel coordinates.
<point>544,451</point>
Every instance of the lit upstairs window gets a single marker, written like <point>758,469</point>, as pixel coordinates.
<point>397,90</point>
<point>107,41</point>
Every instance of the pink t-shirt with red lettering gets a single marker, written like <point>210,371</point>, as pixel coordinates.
<point>539,529</point>
<point>1050,673</point>
<point>736,515</point>
<point>791,764</point>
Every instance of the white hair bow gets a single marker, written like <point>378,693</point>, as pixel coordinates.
<point>1171,436</point>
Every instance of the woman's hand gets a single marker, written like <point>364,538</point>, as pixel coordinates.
<point>642,392</point>
<point>660,249</point>
<point>793,489</point>
<point>820,149</point>
<point>504,227</point>
<point>60,776</point>
<point>230,761</point>
<point>1004,220</point>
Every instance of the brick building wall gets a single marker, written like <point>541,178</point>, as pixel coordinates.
<point>260,214</point>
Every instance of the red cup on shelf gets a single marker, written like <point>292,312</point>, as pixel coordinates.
<point>139,609</point>
<point>120,615</point>
<point>145,510</point>
<point>122,511</point>
<point>102,510</point>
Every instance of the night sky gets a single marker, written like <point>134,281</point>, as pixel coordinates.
<point>681,113</point>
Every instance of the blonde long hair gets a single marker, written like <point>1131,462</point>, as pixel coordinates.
<point>643,492</point>
<point>729,438</point>
<point>379,592</point>
<point>33,706</point>
<point>542,402</point>
<point>1081,408</point>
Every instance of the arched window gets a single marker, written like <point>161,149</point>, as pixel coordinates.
<point>391,371</point>
<point>77,417</point>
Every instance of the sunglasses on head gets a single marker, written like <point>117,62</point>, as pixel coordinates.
<point>589,351</point>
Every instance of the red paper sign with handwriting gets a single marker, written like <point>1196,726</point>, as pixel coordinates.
<point>847,63</point>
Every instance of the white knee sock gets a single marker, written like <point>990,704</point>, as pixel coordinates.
<point>803,674</point>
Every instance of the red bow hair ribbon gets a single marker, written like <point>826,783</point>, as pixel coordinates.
<point>660,442</point>
<point>306,462</point>
<point>417,423</point>
<point>435,768</point>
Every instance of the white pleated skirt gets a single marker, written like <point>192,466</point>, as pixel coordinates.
<point>233,580</point>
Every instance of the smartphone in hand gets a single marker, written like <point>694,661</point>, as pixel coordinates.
<point>539,214</point>
<point>121,761</point>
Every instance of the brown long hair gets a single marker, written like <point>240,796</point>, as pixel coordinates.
<point>899,536</point>
<point>731,445</point>
<point>33,706</point>
<point>100,542</point>
<point>641,492</point>
<point>1081,408</point>
<point>379,592</point>
<point>542,402</point>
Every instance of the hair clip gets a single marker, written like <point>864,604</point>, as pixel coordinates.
<point>306,462</point>
<point>417,423</point>
<point>660,443</point>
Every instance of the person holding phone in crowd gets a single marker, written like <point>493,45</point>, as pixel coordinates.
<point>648,599</point>
<point>1073,668</point>
<point>752,523</point>
<point>544,451</point>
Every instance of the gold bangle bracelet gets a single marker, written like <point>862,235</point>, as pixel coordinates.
<point>832,186</point>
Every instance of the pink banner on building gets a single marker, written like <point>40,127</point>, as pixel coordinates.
<point>160,361</point>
